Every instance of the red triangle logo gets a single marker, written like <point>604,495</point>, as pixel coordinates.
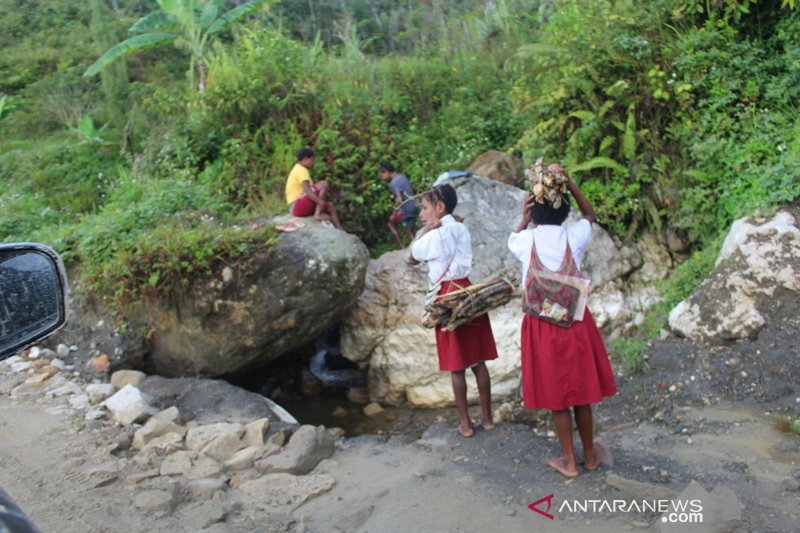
<point>549,500</point>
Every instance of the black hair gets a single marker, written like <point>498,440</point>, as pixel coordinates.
<point>445,194</point>
<point>386,166</point>
<point>545,214</point>
<point>304,152</point>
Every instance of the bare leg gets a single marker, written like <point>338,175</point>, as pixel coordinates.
<point>460,392</point>
<point>319,211</point>
<point>334,217</point>
<point>592,451</point>
<point>485,391</point>
<point>397,239</point>
<point>567,464</point>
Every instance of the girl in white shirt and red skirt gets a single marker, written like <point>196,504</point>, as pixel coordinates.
<point>444,244</point>
<point>562,367</point>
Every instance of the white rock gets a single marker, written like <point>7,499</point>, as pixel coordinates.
<point>155,500</point>
<point>176,463</point>
<point>58,363</point>
<point>166,444</point>
<point>66,389</point>
<point>203,467</point>
<point>198,437</point>
<point>170,414</point>
<point>14,359</point>
<point>759,260</point>
<point>205,488</point>
<point>62,350</point>
<point>254,432</point>
<point>154,428</point>
<point>244,459</point>
<point>21,366</point>
<point>223,447</point>
<point>95,413</point>
<point>129,405</point>
<point>79,401</point>
<point>306,448</point>
<point>99,391</point>
<point>34,352</point>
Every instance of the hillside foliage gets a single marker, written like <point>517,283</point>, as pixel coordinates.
<point>673,115</point>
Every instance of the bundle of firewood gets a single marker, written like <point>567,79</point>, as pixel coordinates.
<point>461,306</point>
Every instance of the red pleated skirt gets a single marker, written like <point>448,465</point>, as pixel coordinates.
<point>564,367</point>
<point>468,344</point>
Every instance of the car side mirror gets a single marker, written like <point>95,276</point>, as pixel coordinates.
<point>33,295</point>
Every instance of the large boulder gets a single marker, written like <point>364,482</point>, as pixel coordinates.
<point>499,166</point>
<point>212,401</point>
<point>383,331</point>
<point>756,278</point>
<point>270,302</point>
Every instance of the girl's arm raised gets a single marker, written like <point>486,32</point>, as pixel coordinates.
<point>527,206</point>
<point>583,203</point>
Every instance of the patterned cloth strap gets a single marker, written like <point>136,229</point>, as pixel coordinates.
<point>556,296</point>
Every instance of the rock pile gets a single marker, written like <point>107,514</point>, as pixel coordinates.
<point>170,461</point>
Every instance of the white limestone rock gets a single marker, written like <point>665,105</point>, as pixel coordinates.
<point>129,405</point>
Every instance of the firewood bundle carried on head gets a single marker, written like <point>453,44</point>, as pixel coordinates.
<point>461,306</point>
<point>548,183</point>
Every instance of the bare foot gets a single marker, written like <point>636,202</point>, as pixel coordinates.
<point>595,459</point>
<point>466,433</point>
<point>560,464</point>
<point>322,217</point>
<point>487,425</point>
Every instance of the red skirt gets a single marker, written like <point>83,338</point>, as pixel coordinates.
<point>564,367</point>
<point>468,344</point>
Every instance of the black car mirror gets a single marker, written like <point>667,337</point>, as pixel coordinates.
<point>33,295</point>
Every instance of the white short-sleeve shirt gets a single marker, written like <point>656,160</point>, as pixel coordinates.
<point>551,244</point>
<point>447,247</point>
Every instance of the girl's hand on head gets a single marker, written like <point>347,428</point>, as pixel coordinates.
<point>527,206</point>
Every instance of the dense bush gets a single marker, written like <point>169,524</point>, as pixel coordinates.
<point>675,115</point>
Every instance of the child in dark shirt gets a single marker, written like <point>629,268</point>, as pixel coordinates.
<point>406,212</point>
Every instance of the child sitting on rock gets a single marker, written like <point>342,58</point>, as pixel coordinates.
<point>303,196</point>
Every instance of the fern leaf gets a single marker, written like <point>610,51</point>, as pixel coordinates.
<point>629,137</point>
<point>582,115</point>
<point>599,162</point>
<point>607,142</point>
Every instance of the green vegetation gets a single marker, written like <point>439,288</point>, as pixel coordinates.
<point>629,354</point>
<point>674,115</point>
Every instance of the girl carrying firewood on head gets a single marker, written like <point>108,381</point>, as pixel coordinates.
<point>444,244</point>
<point>564,360</point>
